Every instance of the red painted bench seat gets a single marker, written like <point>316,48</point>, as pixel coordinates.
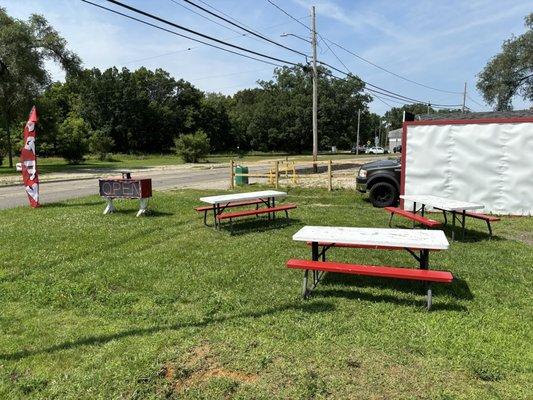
<point>430,223</point>
<point>373,270</point>
<point>245,213</point>
<point>484,217</point>
<point>487,218</point>
<point>423,275</point>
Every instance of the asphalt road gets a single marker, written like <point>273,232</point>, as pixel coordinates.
<point>50,192</point>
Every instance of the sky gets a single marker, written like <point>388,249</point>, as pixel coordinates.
<point>441,44</point>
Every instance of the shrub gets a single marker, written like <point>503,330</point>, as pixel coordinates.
<point>101,144</point>
<point>192,147</point>
<point>72,139</point>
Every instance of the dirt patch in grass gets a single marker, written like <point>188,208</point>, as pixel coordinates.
<point>199,367</point>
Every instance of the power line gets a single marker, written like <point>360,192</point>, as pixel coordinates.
<point>389,71</point>
<point>196,47</point>
<point>181,35</point>
<point>362,58</point>
<point>478,103</point>
<point>386,92</point>
<point>288,15</point>
<point>259,35</point>
<point>146,14</point>
<point>207,18</point>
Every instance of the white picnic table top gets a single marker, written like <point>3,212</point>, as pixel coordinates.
<point>386,237</point>
<point>442,203</point>
<point>225,198</point>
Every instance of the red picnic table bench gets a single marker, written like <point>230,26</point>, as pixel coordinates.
<point>413,241</point>
<point>457,208</point>
<point>218,205</point>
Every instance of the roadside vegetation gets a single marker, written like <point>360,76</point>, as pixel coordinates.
<point>115,306</point>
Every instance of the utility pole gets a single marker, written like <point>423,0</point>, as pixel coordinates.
<point>464,100</point>
<point>315,92</point>
<point>358,126</point>
<point>429,105</point>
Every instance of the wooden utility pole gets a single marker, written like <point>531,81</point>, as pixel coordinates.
<point>315,91</point>
<point>464,100</point>
<point>358,126</point>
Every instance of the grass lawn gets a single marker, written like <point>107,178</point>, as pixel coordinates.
<point>105,307</point>
<point>56,164</point>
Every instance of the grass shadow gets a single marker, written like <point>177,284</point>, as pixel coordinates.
<point>256,225</point>
<point>84,204</point>
<point>458,289</point>
<point>385,298</point>
<point>307,307</point>
<point>149,213</point>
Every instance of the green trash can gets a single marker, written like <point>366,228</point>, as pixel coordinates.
<point>241,180</point>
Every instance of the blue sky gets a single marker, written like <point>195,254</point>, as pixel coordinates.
<point>438,43</point>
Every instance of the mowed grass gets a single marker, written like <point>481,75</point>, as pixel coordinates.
<point>48,165</point>
<point>104,307</point>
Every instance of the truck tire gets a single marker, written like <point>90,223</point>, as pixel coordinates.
<point>383,194</point>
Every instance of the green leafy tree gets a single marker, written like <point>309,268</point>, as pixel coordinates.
<point>101,144</point>
<point>509,73</point>
<point>193,147</point>
<point>395,115</point>
<point>73,138</point>
<point>24,48</point>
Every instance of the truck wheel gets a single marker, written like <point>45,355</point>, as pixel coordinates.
<point>383,194</point>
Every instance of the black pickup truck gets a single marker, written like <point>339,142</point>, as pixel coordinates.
<point>382,180</point>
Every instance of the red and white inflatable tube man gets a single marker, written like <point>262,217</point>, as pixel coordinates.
<point>28,160</point>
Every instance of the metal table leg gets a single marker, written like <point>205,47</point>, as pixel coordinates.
<point>424,264</point>
<point>453,226</point>
<point>314,257</point>
<point>464,224</point>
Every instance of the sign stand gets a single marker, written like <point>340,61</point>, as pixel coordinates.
<point>126,188</point>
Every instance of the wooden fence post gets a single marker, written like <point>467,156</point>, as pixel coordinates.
<point>276,172</point>
<point>330,185</point>
<point>232,174</point>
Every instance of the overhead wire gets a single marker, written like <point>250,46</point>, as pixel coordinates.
<point>389,71</point>
<point>206,18</point>
<point>289,15</point>
<point>255,33</point>
<point>149,15</point>
<point>198,46</point>
<point>179,34</point>
<point>364,59</point>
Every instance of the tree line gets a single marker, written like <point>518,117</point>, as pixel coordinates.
<point>143,111</point>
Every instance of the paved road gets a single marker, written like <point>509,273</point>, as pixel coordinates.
<point>13,196</point>
<point>162,179</point>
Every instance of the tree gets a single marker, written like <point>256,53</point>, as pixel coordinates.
<point>73,139</point>
<point>24,47</point>
<point>101,144</point>
<point>193,147</point>
<point>278,115</point>
<point>509,73</point>
<point>395,115</point>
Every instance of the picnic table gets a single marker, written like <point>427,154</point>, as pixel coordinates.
<point>220,202</point>
<point>445,205</point>
<point>417,242</point>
